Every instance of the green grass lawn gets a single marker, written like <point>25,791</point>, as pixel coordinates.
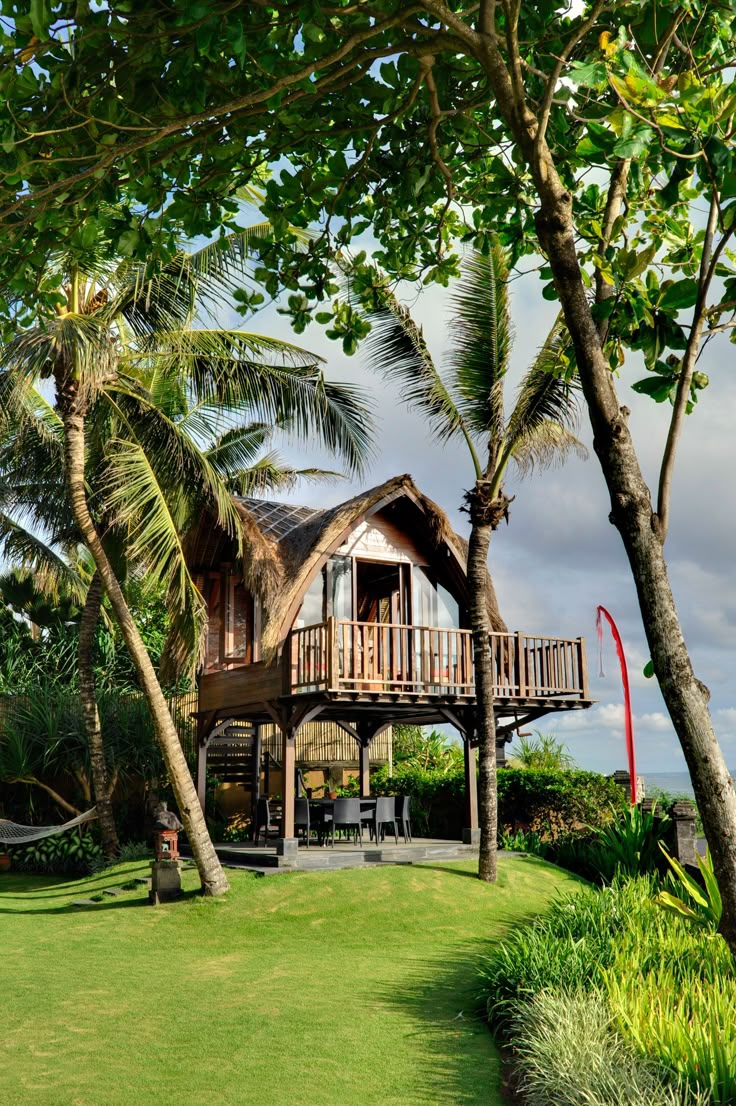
<point>351,988</point>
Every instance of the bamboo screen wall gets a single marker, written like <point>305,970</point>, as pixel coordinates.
<point>320,743</point>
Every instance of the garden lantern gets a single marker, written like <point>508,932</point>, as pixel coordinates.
<point>165,875</point>
<point>166,844</point>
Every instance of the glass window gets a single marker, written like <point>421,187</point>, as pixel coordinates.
<point>341,588</point>
<point>312,610</point>
<point>433,603</point>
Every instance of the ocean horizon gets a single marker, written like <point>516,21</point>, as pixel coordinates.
<point>677,783</point>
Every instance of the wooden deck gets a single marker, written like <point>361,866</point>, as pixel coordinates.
<point>345,855</point>
<point>416,668</point>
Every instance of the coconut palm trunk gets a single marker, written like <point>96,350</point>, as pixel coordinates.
<point>478,544</point>
<point>72,408</point>
<point>91,716</point>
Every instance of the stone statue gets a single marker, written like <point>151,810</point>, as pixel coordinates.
<point>165,819</point>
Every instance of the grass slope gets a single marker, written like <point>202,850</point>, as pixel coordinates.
<point>352,988</point>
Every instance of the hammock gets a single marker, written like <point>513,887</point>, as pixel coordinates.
<point>13,834</point>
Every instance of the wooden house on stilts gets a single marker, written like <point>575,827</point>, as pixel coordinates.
<point>357,615</point>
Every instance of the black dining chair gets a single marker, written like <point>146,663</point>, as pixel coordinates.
<point>301,818</point>
<point>346,815</point>
<point>385,815</point>
<point>368,813</point>
<point>263,821</point>
<point>403,815</point>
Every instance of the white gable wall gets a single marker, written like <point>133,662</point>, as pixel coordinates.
<point>376,539</point>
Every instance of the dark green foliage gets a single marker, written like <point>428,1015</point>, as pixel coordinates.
<point>630,845</point>
<point>554,804</point>
<point>437,798</point>
<point>65,853</point>
<point>627,845</point>
<point>51,655</point>
<point>667,989</point>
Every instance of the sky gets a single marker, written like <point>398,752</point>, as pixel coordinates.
<point>559,557</point>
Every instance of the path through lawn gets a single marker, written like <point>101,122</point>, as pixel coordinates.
<point>312,989</point>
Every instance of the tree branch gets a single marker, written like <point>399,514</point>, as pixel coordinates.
<point>708,262</point>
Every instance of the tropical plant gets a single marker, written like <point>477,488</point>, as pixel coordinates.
<point>432,751</point>
<point>629,845</point>
<point>465,401</point>
<point>703,907</point>
<point>691,1030</point>
<point>557,804</point>
<point>70,852</point>
<point>125,336</point>
<point>543,752</point>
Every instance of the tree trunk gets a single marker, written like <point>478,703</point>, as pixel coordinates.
<point>631,512</point>
<point>685,696</point>
<point>480,538</point>
<point>211,873</point>
<point>91,716</point>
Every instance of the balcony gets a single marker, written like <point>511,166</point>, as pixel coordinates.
<point>391,659</point>
<point>369,662</point>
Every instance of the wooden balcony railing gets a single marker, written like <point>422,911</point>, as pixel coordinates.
<point>393,658</point>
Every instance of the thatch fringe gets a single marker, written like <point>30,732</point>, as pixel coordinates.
<point>278,571</point>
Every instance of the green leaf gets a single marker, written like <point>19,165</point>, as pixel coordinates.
<point>648,670</point>
<point>677,296</point>
<point>128,242</point>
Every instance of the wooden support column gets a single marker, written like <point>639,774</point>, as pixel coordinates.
<point>288,765</point>
<point>365,768</point>
<point>471,831</point>
<point>289,722</point>
<point>204,725</point>
<point>257,756</point>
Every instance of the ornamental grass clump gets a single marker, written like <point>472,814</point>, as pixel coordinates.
<point>568,1055</point>
<point>567,948</point>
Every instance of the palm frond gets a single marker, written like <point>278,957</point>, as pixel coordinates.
<point>136,499</point>
<point>276,382</point>
<point>238,448</point>
<point>541,428</point>
<point>271,474</point>
<point>186,479</point>
<point>548,445</point>
<point>80,342</point>
<point>396,348</point>
<point>481,340</point>
<point>52,572</point>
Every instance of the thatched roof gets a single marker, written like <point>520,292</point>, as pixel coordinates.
<point>285,546</point>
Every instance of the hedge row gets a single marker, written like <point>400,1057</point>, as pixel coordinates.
<point>551,804</point>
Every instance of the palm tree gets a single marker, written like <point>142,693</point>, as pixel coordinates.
<point>465,401</point>
<point>114,323</point>
<point>64,574</point>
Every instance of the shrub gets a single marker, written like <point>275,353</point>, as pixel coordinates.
<point>558,803</point>
<point>691,1029</point>
<point>670,988</point>
<point>66,853</point>
<point>437,798</point>
<point>629,846</point>
<point>134,850</point>
<point>567,948</point>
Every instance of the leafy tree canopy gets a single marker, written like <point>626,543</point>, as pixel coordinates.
<point>383,114</point>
